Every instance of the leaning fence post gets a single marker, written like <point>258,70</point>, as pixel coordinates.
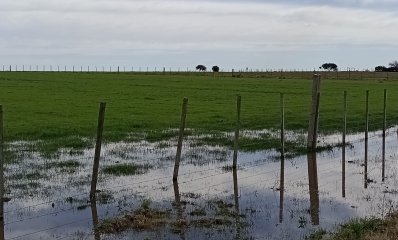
<point>383,168</point>
<point>1,166</point>
<point>313,123</point>
<point>180,139</point>
<point>101,118</point>
<point>366,140</point>
<point>344,143</point>
<point>236,142</point>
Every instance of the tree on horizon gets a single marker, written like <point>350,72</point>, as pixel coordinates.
<point>201,68</point>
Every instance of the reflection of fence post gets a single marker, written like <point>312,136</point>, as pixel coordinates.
<point>101,118</point>
<point>236,142</point>
<point>180,139</point>
<point>313,187</point>
<point>1,169</point>
<point>313,123</point>
<point>281,188</point>
<point>94,215</point>
<point>366,139</point>
<point>384,136</point>
<point>344,143</point>
<point>236,198</point>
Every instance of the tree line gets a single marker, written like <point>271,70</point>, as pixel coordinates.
<point>202,68</point>
<point>392,67</point>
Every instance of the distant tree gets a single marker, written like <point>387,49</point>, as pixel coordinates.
<point>381,69</point>
<point>393,66</point>
<point>329,66</point>
<point>215,69</point>
<point>201,68</point>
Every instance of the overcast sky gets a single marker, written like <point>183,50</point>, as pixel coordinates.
<point>300,34</point>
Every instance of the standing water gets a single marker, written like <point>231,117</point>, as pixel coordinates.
<point>267,197</point>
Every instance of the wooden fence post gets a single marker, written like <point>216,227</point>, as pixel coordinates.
<point>97,155</point>
<point>366,140</point>
<point>344,143</point>
<point>383,168</point>
<point>282,170</point>
<point>1,168</point>
<point>282,104</point>
<point>236,142</point>
<point>180,138</point>
<point>313,123</point>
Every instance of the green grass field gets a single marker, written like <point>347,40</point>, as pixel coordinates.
<point>48,105</point>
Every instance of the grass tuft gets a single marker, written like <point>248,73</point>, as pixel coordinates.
<point>126,169</point>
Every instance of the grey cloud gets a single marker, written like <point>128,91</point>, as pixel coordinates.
<point>156,28</point>
<point>372,4</point>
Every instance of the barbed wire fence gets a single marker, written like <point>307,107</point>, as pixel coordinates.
<point>211,180</point>
<point>347,74</point>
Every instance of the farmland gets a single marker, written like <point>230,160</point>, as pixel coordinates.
<point>49,105</point>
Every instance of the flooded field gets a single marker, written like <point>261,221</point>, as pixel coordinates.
<point>268,197</point>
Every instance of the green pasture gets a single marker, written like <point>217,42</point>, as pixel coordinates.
<point>49,105</point>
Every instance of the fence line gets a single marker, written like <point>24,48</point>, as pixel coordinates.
<point>325,167</point>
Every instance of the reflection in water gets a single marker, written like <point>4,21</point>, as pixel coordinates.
<point>237,211</point>
<point>94,215</point>
<point>281,188</point>
<point>178,207</point>
<point>254,179</point>
<point>313,186</point>
<point>366,162</point>
<point>2,228</point>
<point>343,169</point>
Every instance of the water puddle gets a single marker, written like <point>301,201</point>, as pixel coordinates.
<point>268,197</point>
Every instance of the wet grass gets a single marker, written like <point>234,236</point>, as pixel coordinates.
<point>360,229</point>
<point>144,218</point>
<point>24,186</point>
<point>66,104</point>
<point>10,156</point>
<point>198,212</point>
<point>126,169</point>
<point>218,215</point>
<point>245,143</point>
<point>50,148</point>
<point>223,208</point>
<point>251,144</point>
<point>36,175</point>
<point>104,197</point>
<point>156,136</point>
<point>64,164</point>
